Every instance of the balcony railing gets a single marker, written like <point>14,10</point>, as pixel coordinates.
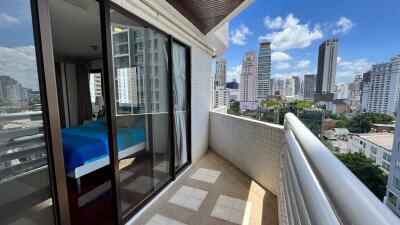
<point>312,185</point>
<point>317,186</point>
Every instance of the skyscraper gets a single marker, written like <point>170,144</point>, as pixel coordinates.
<point>384,87</point>
<point>326,73</point>
<point>296,85</point>
<point>248,77</point>
<point>365,90</point>
<point>220,73</point>
<point>264,70</point>
<point>309,86</point>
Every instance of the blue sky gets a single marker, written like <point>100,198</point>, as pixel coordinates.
<point>368,32</point>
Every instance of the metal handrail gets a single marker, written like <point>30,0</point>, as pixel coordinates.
<point>350,199</point>
<point>318,206</point>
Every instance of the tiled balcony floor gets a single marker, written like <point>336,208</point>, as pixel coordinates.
<point>260,205</point>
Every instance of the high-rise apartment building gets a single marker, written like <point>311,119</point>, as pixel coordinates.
<point>309,86</point>
<point>385,87</point>
<point>220,72</point>
<point>366,79</point>
<point>248,77</point>
<point>221,97</point>
<point>355,92</point>
<point>289,87</point>
<point>264,70</point>
<point>95,86</point>
<point>296,85</point>
<point>326,73</point>
<point>392,198</point>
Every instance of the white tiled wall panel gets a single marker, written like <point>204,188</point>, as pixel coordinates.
<point>250,145</point>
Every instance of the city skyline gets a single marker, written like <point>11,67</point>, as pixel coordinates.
<point>296,32</point>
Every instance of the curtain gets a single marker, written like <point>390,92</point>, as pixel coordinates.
<point>84,102</point>
<point>179,97</point>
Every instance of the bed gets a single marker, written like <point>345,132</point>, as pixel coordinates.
<point>85,147</point>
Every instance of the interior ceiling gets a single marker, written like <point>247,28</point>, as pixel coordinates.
<point>205,14</point>
<point>75,27</point>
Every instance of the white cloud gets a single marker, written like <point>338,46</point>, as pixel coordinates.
<point>343,25</point>
<point>20,64</point>
<point>282,66</point>
<point>280,56</point>
<point>234,73</point>
<point>303,64</point>
<point>292,35</point>
<point>339,59</point>
<point>239,35</point>
<point>7,19</point>
<point>273,23</point>
<point>346,70</point>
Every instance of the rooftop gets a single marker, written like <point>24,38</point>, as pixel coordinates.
<point>384,140</point>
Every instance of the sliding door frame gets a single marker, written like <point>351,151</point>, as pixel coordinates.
<point>49,102</point>
<point>188,105</point>
<point>110,109</point>
<point>105,6</point>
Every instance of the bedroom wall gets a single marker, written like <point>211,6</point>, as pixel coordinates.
<point>68,94</point>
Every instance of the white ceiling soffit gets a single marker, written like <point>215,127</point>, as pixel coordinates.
<point>75,26</point>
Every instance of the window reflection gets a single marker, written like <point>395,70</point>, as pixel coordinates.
<point>140,71</point>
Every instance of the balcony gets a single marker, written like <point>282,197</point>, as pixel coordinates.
<point>281,175</point>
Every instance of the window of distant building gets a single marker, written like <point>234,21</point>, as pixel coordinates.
<point>396,183</point>
<point>392,198</point>
<point>385,165</point>
<point>397,166</point>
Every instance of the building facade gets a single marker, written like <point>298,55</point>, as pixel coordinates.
<point>385,87</point>
<point>366,79</point>
<point>392,198</point>
<point>264,71</point>
<point>376,146</point>
<point>309,87</point>
<point>220,72</point>
<point>248,77</point>
<point>326,72</point>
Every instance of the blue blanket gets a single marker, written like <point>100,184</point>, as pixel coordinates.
<point>89,142</point>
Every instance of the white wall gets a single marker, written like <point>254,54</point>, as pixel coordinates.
<point>250,145</point>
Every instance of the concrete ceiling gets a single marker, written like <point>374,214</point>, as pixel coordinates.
<point>75,26</point>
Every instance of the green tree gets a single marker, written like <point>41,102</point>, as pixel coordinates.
<point>366,171</point>
<point>302,104</point>
<point>329,114</point>
<point>270,104</point>
<point>341,124</point>
<point>235,108</point>
<point>361,123</point>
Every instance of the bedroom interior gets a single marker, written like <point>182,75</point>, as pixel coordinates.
<point>142,91</point>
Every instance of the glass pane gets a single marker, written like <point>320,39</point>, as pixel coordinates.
<point>140,71</point>
<point>25,193</point>
<point>76,33</point>
<point>180,107</point>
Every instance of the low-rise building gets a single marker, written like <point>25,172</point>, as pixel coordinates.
<point>376,146</point>
<point>378,128</point>
<point>337,133</point>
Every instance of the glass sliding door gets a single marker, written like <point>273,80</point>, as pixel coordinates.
<point>140,67</point>
<point>25,192</point>
<point>78,57</point>
<point>180,85</point>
